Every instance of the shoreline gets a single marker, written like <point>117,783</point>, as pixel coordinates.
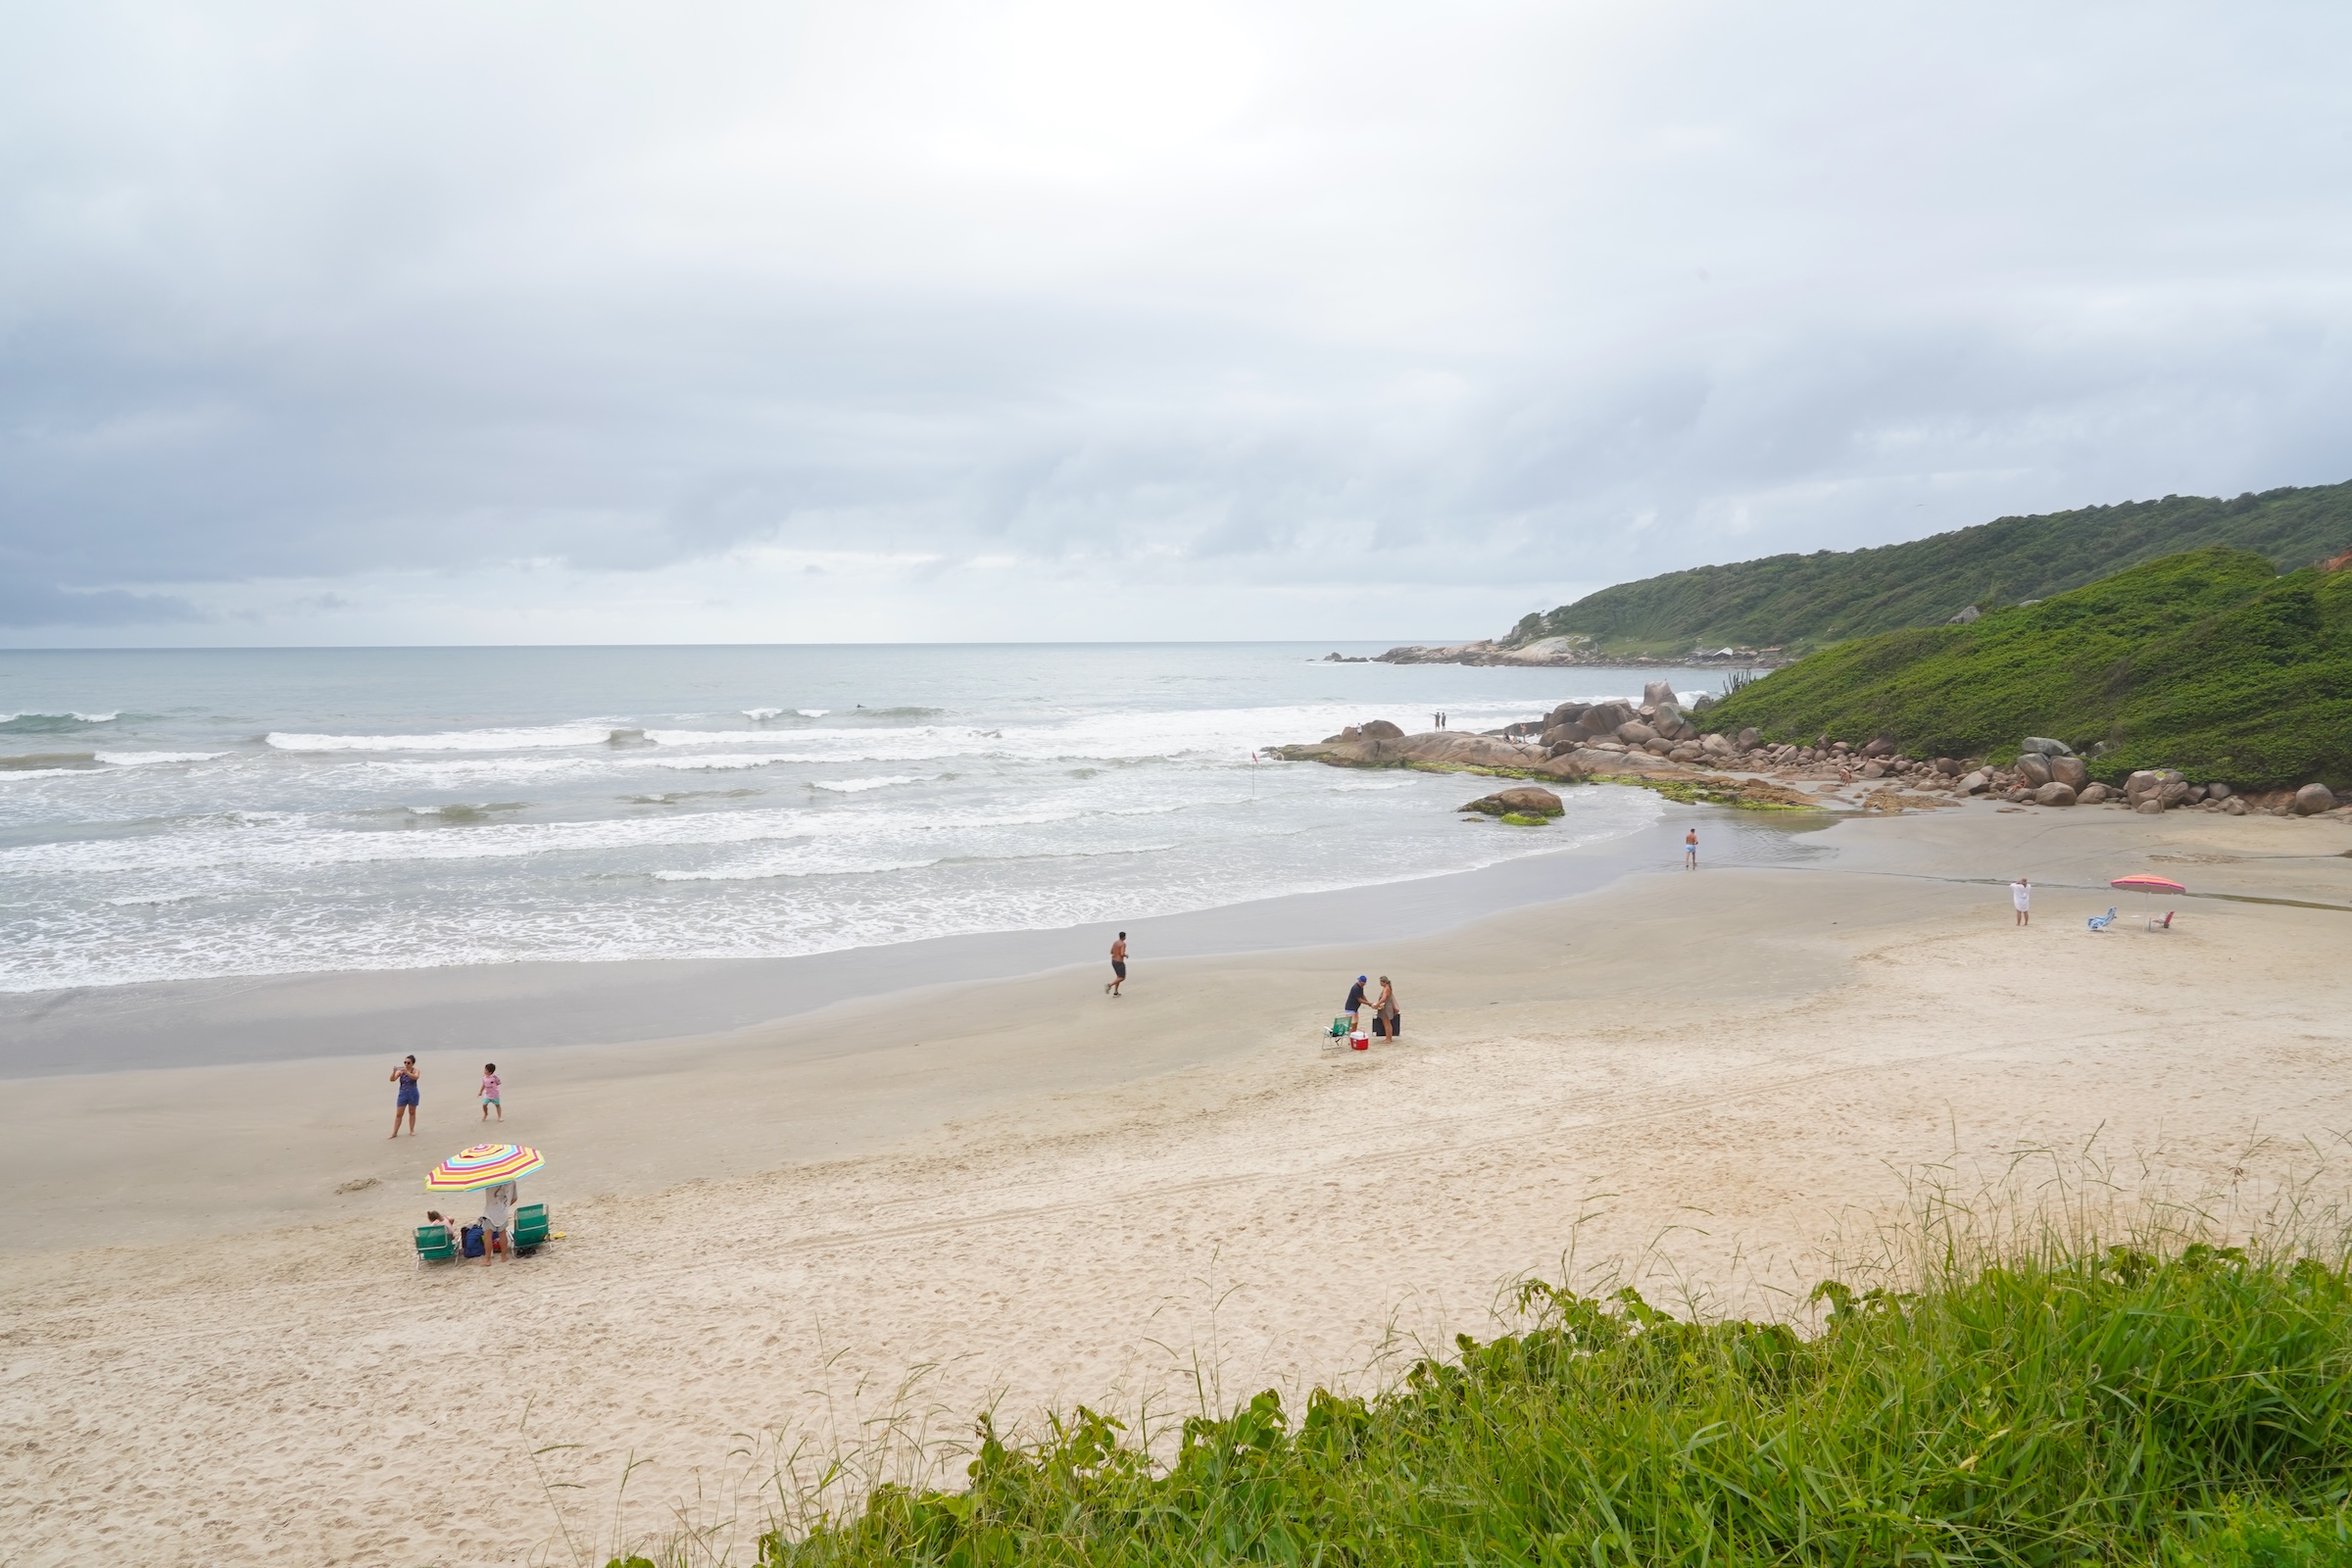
<point>542,1005</point>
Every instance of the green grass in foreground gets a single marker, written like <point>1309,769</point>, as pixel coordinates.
<point>2195,1408</point>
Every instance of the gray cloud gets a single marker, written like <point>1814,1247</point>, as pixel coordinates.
<point>1513,302</point>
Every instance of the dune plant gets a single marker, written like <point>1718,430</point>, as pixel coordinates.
<point>2114,1406</point>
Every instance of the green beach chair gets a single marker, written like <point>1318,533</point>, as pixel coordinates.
<point>434,1245</point>
<point>530,1227</point>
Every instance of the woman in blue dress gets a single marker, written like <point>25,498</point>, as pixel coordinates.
<point>405,1075</point>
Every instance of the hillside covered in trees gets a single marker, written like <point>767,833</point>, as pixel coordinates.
<point>2209,661</point>
<point>1797,602</point>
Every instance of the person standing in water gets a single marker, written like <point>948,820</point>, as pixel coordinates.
<point>1691,851</point>
<point>1119,964</point>
<point>405,1102</point>
<point>2021,899</point>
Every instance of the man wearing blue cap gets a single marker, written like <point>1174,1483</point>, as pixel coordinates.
<point>1355,1002</point>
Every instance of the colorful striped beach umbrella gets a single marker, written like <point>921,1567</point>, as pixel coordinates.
<point>484,1165</point>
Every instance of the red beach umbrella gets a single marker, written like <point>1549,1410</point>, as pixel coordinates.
<point>2149,883</point>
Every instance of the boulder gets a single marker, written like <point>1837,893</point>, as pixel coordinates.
<point>2043,745</point>
<point>1666,719</point>
<point>1636,733</point>
<point>1380,729</point>
<point>1873,768</point>
<point>1715,744</point>
<point>1603,719</point>
<point>1686,752</point>
<point>2141,782</point>
<point>2218,792</point>
<point>2149,806</point>
<point>2196,796</point>
<point>2313,799</point>
<point>1881,747</point>
<point>1949,766</point>
<point>2033,770</point>
<point>2054,794</point>
<point>2174,790</point>
<point>1976,783</point>
<point>2071,771</point>
<point>1659,694</point>
<point>2093,794</point>
<point>1527,800</point>
<point>2235,807</point>
<point>1747,738</point>
<point>1659,744</point>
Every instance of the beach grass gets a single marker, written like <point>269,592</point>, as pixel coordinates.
<point>2115,1404</point>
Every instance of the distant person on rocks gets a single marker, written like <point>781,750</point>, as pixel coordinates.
<point>2021,897</point>
<point>1355,1002</point>
<point>405,1102</point>
<point>1119,964</point>
<point>1386,1021</point>
<point>490,1091</point>
<point>1691,851</point>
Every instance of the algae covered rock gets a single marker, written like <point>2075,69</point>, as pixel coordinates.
<point>1529,801</point>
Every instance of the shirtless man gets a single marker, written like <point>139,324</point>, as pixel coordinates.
<point>1119,964</point>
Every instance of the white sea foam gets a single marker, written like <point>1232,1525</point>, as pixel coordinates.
<point>147,759</point>
<point>34,719</point>
<point>712,764</point>
<point>812,712</point>
<point>856,786</point>
<point>537,737</point>
<point>761,715</point>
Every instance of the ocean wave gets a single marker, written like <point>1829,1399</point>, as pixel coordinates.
<point>856,786</point>
<point>814,867</point>
<point>148,759</point>
<point>761,715</point>
<point>812,712</point>
<point>714,764</point>
<point>50,724</point>
<point>49,763</point>
<point>528,738</point>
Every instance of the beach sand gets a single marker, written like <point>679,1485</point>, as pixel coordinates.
<point>1022,1194</point>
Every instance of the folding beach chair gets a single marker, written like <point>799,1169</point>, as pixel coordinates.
<point>434,1245</point>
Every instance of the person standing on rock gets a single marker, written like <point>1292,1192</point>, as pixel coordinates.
<point>2021,897</point>
<point>1118,966</point>
<point>1691,851</point>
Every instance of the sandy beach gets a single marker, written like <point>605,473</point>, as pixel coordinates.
<point>886,1215</point>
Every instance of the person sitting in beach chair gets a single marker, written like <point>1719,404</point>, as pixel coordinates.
<point>2100,923</point>
<point>436,1239</point>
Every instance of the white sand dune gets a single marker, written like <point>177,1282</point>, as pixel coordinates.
<point>1025,1193</point>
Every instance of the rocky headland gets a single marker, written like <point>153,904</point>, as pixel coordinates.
<point>1659,744</point>
<point>1570,653</point>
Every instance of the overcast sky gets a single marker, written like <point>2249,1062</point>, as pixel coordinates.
<point>510,322</point>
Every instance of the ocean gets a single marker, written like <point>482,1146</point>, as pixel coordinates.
<point>192,815</point>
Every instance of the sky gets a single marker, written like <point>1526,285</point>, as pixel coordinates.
<point>514,321</point>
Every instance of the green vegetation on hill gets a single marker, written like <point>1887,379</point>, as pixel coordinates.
<point>2123,1409</point>
<point>1801,601</point>
<point>2208,662</point>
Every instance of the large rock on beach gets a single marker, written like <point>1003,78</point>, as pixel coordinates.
<point>2093,794</point>
<point>2313,799</point>
<point>1380,729</point>
<point>2054,794</point>
<point>2043,745</point>
<point>1747,738</point>
<point>1658,694</point>
<point>1527,800</point>
<point>1636,733</point>
<point>2032,769</point>
<point>2069,770</point>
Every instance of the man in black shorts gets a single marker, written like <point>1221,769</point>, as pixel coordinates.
<point>1119,964</point>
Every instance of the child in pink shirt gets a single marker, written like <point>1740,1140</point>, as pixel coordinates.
<point>490,1091</point>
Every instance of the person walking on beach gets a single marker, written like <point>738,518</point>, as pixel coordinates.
<point>404,1103</point>
<point>1356,1003</point>
<point>2021,897</point>
<point>1386,1021</point>
<point>490,1091</point>
<point>1691,851</point>
<point>1119,964</point>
